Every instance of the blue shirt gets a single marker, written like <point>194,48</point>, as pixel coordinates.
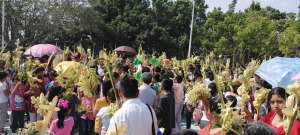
<point>158,132</point>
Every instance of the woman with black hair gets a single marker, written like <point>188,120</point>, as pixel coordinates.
<point>102,102</point>
<point>103,116</point>
<point>274,118</point>
<point>63,125</point>
<point>55,91</point>
<point>34,92</point>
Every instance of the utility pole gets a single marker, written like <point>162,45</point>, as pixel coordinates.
<point>3,14</point>
<point>191,33</point>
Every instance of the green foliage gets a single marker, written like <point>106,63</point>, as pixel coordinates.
<point>159,25</point>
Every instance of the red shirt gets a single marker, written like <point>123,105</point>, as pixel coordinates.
<point>269,118</point>
<point>205,131</point>
<point>30,106</point>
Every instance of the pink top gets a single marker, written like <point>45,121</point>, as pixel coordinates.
<point>178,92</point>
<point>90,115</point>
<point>17,102</point>
<point>66,130</point>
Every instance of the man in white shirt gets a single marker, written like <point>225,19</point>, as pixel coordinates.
<point>4,93</point>
<point>147,95</point>
<point>135,114</point>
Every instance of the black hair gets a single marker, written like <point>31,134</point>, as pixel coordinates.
<point>198,66</point>
<point>1,68</point>
<point>129,87</point>
<point>16,78</point>
<point>165,76</point>
<point>157,69</point>
<point>125,68</point>
<point>259,82</point>
<point>213,88</point>
<point>119,66</point>
<point>196,71</point>
<point>111,95</point>
<point>266,85</point>
<point>191,68</point>
<point>41,60</point>
<point>187,132</point>
<point>159,113</point>
<point>93,66</point>
<point>198,75</point>
<point>106,86</point>
<point>171,74</point>
<point>213,105</point>
<point>232,99</point>
<point>156,77</point>
<point>235,86</point>
<point>210,75</point>
<point>45,57</point>
<point>38,70</point>
<point>145,69</point>
<point>259,128</point>
<point>163,72</point>
<point>53,73</point>
<point>54,91</point>
<point>116,75</point>
<point>3,75</point>
<point>61,114</point>
<point>178,79</point>
<point>278,91</point>
<point>167,84</point>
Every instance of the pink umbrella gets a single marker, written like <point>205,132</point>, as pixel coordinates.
<point>125,50</point>
<point>42,49</point>
<point>297,77</point>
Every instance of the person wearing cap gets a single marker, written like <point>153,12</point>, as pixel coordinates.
<point>147,94</point>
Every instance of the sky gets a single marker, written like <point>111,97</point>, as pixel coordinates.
<point>282,5</point>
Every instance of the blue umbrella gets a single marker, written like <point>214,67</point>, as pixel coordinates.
<point>279,71</point>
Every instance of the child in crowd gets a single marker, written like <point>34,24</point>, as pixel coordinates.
<point>167,103</point>
<point>17,105</point>
<point>159,115</point>
<point>87,120</point>
<point>104,120</point>
<point>63,125</point>
<point>4,93</point>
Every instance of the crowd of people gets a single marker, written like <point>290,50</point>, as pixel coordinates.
<point>153,105</point>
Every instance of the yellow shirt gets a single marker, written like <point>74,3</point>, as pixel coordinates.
<point>101,102</point>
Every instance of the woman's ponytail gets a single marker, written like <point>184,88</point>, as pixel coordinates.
<point>64,107</point>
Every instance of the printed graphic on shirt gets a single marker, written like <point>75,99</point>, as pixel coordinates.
<point>18,101</point>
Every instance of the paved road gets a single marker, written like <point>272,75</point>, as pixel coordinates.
<point>183,124</point>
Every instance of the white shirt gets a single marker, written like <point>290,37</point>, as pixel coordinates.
<point>117,85</point>
<point>136,116</point>
<point>3,98</point>
<point>100,71</point>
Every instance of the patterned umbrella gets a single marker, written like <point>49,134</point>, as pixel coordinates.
<point>67,66</point>
<point>41,49</point>
<point>125,50</point>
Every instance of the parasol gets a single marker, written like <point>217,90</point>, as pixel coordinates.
<point>67,66</point>
<point>42,49</point>
<point>125,50</point>
<point>279,71</point>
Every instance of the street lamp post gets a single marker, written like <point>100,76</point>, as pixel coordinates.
<point>191,33</point>
<point>3,23</point>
